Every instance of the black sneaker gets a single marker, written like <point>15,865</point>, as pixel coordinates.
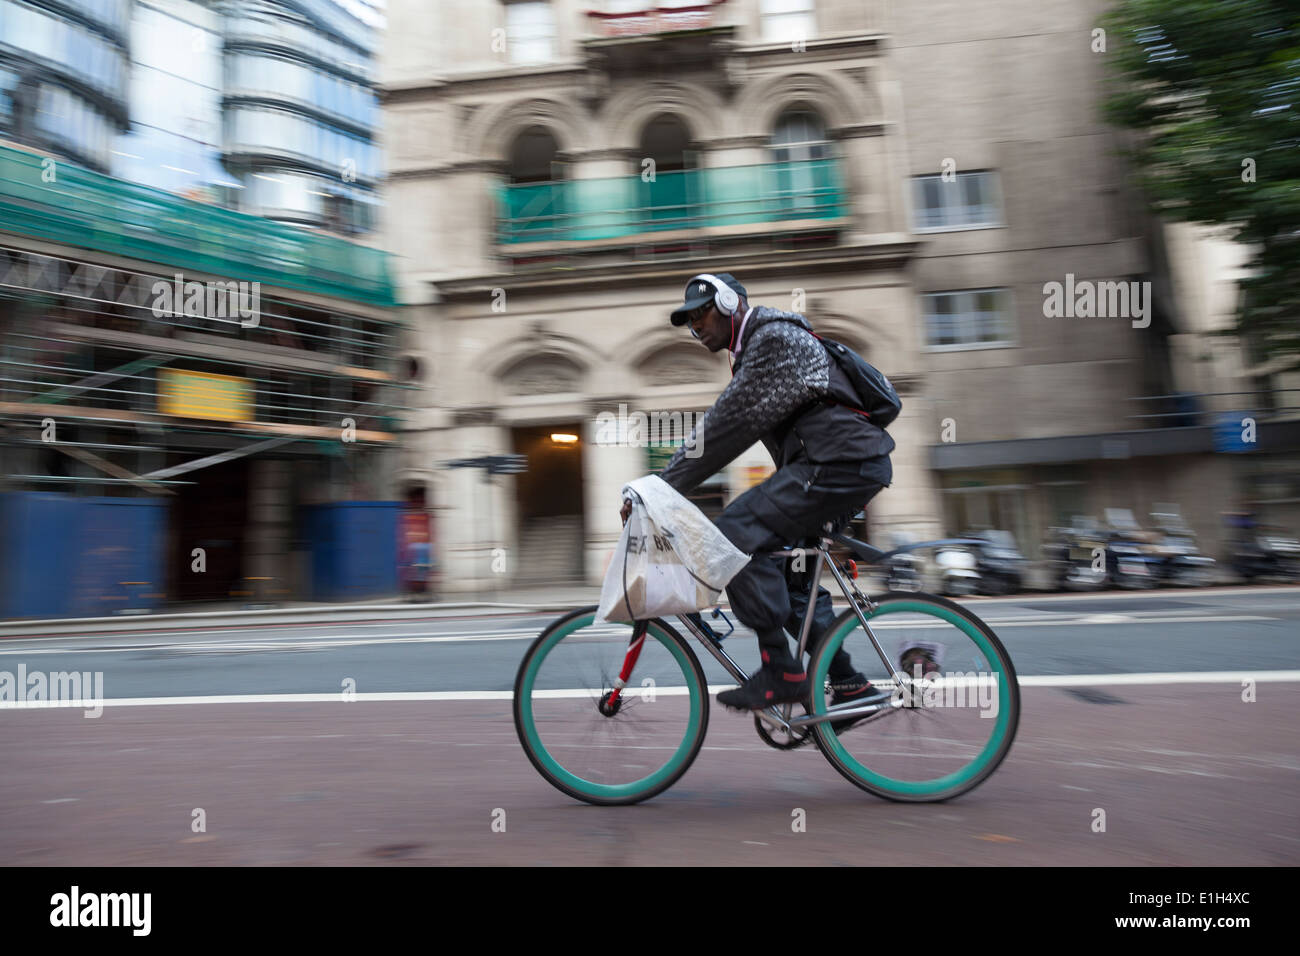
<point>847,691</point>
<point>765,687</point>
<point>856,687</point>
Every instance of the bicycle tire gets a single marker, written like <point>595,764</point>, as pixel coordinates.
<point>951,785</point>
<point>552,768</point>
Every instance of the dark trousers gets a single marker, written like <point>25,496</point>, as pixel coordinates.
<point>799,584</point>
<point>792,505</point>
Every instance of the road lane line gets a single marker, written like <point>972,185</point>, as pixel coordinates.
<point>1049,680</point>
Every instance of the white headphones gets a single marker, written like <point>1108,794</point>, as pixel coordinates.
<point>724,296</point>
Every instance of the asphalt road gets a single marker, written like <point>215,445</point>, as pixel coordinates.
<point>1132,705</point>
<point>1094,634</point>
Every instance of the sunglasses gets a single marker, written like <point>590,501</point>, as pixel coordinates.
<point>693,317</point>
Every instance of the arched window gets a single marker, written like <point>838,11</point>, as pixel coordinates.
<point>800,134</point>
<point>800,152</point>
<point>532,157</point>
<point>665,139</point>
<point>667,196</point>
<point>534,202</point>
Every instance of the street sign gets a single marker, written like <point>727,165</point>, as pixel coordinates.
<point>508,465</point>
<point>494,464</point>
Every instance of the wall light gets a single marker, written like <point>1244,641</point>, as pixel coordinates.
<point>563,438</point>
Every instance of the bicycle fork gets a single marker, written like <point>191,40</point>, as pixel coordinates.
<point>611,702</point>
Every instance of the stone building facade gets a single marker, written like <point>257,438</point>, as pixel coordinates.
<point>910,176</point>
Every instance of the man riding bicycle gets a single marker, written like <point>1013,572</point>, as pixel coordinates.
<point>788,392</point>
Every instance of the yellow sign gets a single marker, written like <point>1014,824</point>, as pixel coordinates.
<point>224,398</point>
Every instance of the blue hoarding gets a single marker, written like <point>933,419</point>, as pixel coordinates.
<point>71,556</point>
<point>353,549</point>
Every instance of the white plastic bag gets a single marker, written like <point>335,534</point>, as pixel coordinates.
<point>671,559</point>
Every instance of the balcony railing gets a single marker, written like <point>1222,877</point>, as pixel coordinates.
<point>91,211</point>
<point>1184,409</point>
<point>723,200</point>
<point>653,19</point>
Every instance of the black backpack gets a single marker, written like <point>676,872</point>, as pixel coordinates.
<point>880,402</point>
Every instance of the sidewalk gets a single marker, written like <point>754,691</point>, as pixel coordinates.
<point>556,599</point>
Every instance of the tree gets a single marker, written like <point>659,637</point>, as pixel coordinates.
<point>1212,90</point>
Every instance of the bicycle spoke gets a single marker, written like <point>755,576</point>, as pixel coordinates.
<point>950,719</point>
<point>592,750</point>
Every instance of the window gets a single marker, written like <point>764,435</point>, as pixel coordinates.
<point>798,144</point>
<point>785,21</point>
<point>968,201</point>
<point>530,31</point>
<point>8,80</point>
<point>799,135</point>
<point>256,73</point>
<point>670,197</point>
<point>253,129</point>
<point>970,319</point>
<point>533,157</point>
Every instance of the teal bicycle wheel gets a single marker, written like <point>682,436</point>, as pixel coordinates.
<point>606,755</point>
<point>947,696</point>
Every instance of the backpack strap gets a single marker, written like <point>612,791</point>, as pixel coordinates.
<point>827,401</point>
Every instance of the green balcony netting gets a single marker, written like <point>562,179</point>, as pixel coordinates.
<point>585,209</point>
<point>89,210</point>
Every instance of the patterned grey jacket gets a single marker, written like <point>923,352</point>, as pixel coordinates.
<point>787,392</point>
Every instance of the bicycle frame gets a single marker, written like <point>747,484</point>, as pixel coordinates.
<point>780,717</point>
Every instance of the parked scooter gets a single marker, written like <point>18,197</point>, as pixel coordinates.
<point>1179,559</point>
<point>1262,552</point>
<point>902,571</point>
<point>1076,555</point>
<point>957,569</point>
<point>998,561</point>
<point>1129,561</point>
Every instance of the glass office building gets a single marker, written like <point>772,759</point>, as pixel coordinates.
<point>63,76</point>
<point>300,112</point>
<point>265,106</point>
<point>175,97</point>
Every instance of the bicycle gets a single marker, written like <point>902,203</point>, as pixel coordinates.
<point>596,735</point>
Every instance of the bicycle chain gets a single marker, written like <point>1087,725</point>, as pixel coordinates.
<point>766,736</point>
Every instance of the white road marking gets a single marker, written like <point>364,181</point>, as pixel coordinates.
<point>1066,680</point>
<point>1083,621</point>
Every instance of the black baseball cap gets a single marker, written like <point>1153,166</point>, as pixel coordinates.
<point>701,291</point>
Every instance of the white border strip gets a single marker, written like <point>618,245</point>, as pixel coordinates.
<point>1068,680</point>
